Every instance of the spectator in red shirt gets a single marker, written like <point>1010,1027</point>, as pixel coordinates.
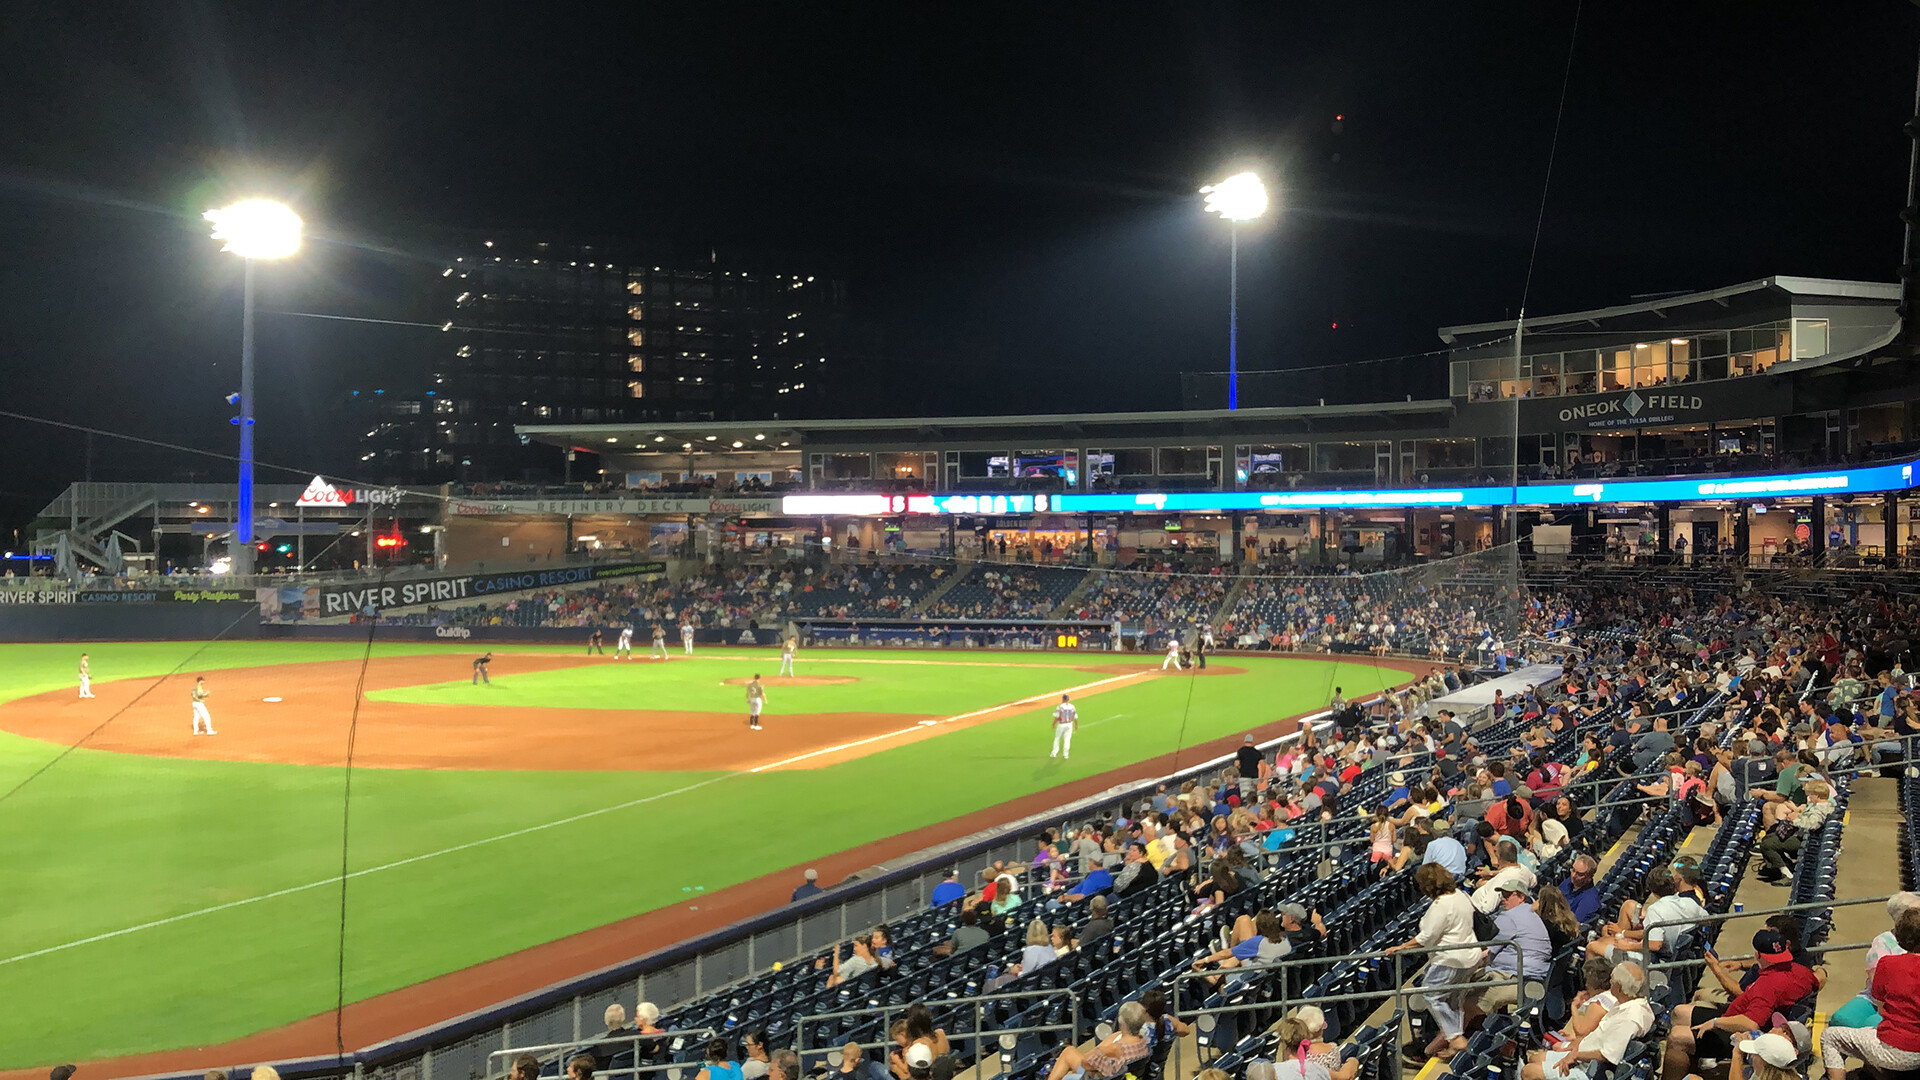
<point>1893,1046</point>
<point>1702,1031</point>
<point>1510,817</point>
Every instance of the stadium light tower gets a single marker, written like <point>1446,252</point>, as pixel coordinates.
<point>1238,198</point>
<point>253,229</point>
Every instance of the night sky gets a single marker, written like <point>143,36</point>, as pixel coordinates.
<point>1009,188</point>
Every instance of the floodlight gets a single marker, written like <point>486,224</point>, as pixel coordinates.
<point>1241,197</point>
<point>257,229</point>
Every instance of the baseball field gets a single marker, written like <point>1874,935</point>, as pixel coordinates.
<point>168,890</point>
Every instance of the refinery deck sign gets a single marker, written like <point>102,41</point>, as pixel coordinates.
<point>613,504</point>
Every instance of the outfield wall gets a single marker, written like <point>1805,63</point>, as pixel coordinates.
<point>525,635</point>
<point>141,620</point>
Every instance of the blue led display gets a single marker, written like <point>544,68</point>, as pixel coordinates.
<point>1867,479</point>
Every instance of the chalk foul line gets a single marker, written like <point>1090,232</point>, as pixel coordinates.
<point>336,879</point>
<point>1029,700</point>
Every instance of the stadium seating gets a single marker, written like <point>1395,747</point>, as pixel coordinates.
<point>999,591</point>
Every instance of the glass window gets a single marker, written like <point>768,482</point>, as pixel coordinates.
<point>846,466</point>
<point>901,466</point>
<point>983,463</point>
<point>1127,462</point>
<point>1809,338</point>
<point>1344,456</point>
<point>1183,461</point>
<point>1059,464</point>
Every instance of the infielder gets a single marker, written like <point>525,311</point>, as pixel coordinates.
<point>686,636</point>
<point>480,670</point>
<point>1173,655</point>
<point>659,644</point>
<point>787,645</point>
<point>86,678</point>
<point>756,700</point>
<point>200,713</point>
<point>623,649</point>
<point>1065,719</point>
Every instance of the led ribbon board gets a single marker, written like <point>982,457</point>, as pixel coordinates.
<point>1864,480</point>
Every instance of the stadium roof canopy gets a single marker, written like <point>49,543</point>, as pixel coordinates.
<point>1805,288</point>
<point>774,434</point>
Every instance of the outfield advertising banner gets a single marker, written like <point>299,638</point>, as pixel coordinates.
<point>322,601</point>
<point>57,595</point>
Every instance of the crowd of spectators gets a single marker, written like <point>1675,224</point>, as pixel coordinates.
<point>1155,601</point>
<point>1697,694</point>
<point>992,591</point>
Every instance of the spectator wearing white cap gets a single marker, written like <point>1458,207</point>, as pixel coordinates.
<point>807,888</point>
<point>1531,955</point>
<point>1767,1056</point>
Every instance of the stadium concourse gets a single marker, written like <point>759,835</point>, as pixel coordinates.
<point>1654,836</point>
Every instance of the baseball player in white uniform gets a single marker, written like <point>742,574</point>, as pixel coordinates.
<point>623,649</point>
<point>686,636</point>
<point>1173,655</point>
<point>756,700</point>
<point>787,645</point>
<point>200,713</point>
<point>86,678</point>
<point>1065,719</point>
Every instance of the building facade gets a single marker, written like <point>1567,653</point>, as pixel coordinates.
<point>541,333</point>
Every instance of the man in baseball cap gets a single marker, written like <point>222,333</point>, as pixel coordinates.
<point>1303,929</point>
<point>1703,1031</point>
<point>919,1061</point>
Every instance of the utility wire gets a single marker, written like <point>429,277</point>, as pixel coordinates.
<point>346,819</point>
<point>122,710</point>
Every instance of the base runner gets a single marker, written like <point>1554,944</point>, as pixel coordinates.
<point>686,635</point>
<point>756,700</point>
<point>787,646</point>
<point>200,713</point>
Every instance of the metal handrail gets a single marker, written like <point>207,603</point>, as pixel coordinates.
<point>1400,992</point>
<point>585,1045</point>
<point>978,1001</point>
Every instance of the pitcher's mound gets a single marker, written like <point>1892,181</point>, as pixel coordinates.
<point>791,680</point>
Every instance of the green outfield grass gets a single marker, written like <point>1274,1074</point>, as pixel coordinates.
<point>238,864</point>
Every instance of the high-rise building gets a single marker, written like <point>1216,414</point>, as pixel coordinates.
<point>543,332</point>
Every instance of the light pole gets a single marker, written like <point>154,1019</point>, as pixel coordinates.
<point>1238,198</point>
<point>252,229</point>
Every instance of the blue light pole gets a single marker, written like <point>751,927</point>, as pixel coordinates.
<point>1238,198</point>
<point>252,229</point>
